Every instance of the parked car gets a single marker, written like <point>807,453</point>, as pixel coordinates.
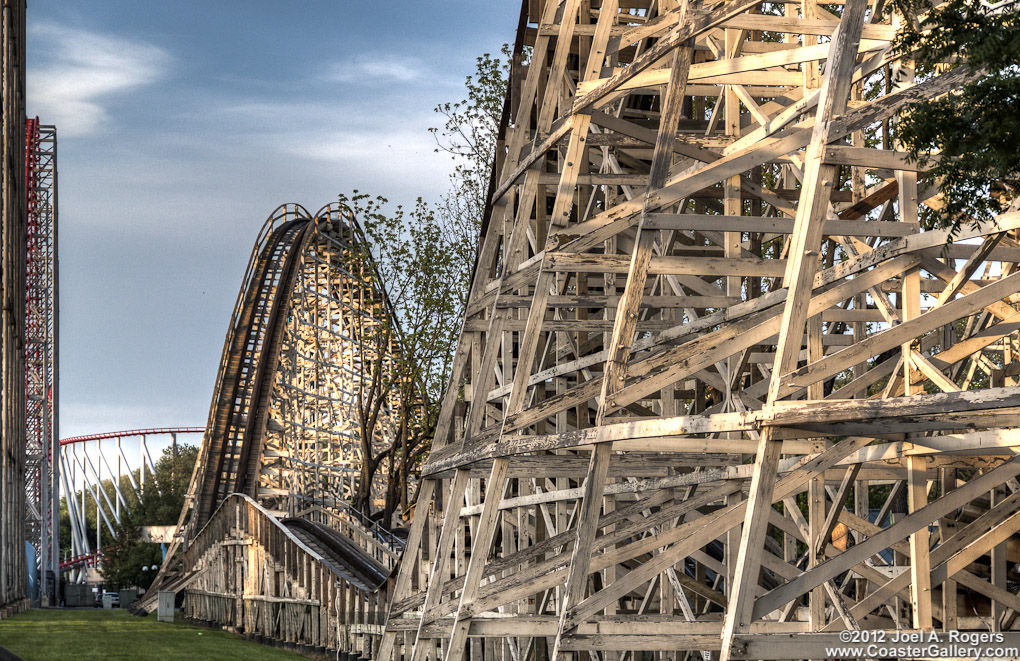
<point>114,599</point>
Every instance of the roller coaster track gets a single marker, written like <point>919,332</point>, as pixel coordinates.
<point>232,447</point>
<point>255,434</point>
<point>341,555</point>
<point>237,414</point>
<point>290,580</point>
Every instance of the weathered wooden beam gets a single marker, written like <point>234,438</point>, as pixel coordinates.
<point>897,531</point>
<point>643,295</point>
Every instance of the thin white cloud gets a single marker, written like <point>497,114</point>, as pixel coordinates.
<point>82,73</point>
<point>376,70</point>
<point>384,147</point>
<point>361,145</point>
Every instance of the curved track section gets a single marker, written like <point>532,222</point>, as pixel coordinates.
<point>232,447</point>
<point>344,558</point>
<point>131,433</point>
<point>282,445</point>
<point>282,424</point>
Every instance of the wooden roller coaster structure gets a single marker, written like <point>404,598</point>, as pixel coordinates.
<point>13,460</point>
<point>724,393</point>
<point>266,543</point>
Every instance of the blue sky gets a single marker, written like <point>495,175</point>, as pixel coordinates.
<point>182,125</point>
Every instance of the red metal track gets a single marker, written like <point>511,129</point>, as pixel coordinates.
<point>133,432</point>
<point>31,232</point>
<point>88,559</point>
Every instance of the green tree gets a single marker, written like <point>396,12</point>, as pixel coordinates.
<point>424,259</point>
<point>469,134</point>
<point>163,500</point>
<point>159,505</point>
<point>127,556</point>
<point>977,130</point>
<point>410,256</point>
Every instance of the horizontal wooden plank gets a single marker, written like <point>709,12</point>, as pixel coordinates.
<point>990,441</point>
<point>716,266</point>
<point>702,222</point>
<point>820,27</point>
<point>597,179</point>
<point>596,301</point>
<point>545,625</point>
<point>870,158</point>
<point>733,71</point>
<point>782,414</point>
<point>796,413</point>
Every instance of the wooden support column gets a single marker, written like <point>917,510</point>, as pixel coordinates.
<point>862,508</point>
<point>732,202</point>
<point>624,327</point>
<point>732,206</point>
<point>998,557</point>
<point>947,529</point>
<point>800,272</point>
<point>820,530</point>
<point>816,525</point>
<point>437,577</point>
<point>920,564</point>
<point>479,555</point>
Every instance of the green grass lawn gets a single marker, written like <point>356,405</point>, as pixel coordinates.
<point>80,635</point>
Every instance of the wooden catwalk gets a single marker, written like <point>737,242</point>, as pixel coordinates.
<point>718,386</point>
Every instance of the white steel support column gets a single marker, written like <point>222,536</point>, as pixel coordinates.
<point>82,465</point>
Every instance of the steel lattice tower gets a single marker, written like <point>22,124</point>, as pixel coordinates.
<point>42,474</point>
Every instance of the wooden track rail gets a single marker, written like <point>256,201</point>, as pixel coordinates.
<point>379,544</point>
<point>241,411</point>
<point>723,387</point>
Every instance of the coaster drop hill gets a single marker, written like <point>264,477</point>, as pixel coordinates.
<point>267,542</point>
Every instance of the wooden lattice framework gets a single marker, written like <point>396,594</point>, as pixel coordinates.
<point>331,345</point>
<point>302,343</point>
<point>267,542</point>
<point>716,385</point>
<point>13,568</point>
<point>254,575</point>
